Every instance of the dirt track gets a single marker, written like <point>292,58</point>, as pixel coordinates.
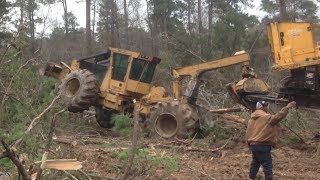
<point>232,162</point>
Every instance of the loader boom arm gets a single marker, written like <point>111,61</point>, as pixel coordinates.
<point>194,71</point>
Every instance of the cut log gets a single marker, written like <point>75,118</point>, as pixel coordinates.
<point>232,117</point>
<point>226,110</point>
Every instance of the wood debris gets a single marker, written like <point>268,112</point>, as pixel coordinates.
<point>61,164</point>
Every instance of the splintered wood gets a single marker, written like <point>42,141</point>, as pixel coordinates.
<point>61,164</point>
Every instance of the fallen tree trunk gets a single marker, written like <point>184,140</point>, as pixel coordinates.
<point>224,113</point>
<point>226,110</point>
<point>232,117</point>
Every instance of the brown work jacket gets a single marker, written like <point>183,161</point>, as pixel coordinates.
<point>262,127</point>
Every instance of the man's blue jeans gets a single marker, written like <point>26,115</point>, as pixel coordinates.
<point>261,155</point>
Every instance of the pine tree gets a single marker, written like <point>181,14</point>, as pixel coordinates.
<point>292,10</point>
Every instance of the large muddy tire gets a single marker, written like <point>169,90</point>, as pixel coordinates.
<point>172,119</point>
<point>79,90</point>
<point>103,117</point>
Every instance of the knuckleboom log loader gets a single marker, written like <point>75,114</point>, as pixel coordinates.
<point>110,82</point>
<point>295,47</point>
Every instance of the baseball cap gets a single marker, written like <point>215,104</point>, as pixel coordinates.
<point>261,104</point>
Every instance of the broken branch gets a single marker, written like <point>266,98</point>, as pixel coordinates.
<point>35,121</point>
<point>49,142</point>
<point>13,157</point>
<point>70,175</point>
<point>3,155</point>
<point>135,137</point>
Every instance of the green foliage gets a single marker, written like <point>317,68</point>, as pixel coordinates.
<point>28,95</point>
<point>30,143</point>
<point>6,165</point>
<point>72,21</point>
<point>296,120</point>
<point>299,123</point>
<point>289,140</point>
<point>122,124</point>
<point>218,132</point>
<point>231,32</point>
<point>148,159</point>
<point>297,10</point>
<point>4,10</point>
<point>22,39</point>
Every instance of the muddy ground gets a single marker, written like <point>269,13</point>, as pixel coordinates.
<point>103,154</point>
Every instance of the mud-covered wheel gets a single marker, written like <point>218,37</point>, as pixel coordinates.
<point>103,117</point>
<point>79,90</point>
<point>172,119</point>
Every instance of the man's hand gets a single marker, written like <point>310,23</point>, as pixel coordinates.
<point>291,104</point>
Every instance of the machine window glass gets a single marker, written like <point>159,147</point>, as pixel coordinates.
<point>136,69</point>
<point>142,70</point>
<point>148,73</point>
<point>120,65</point>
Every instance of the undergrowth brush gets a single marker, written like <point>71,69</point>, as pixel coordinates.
<point>147,160</point>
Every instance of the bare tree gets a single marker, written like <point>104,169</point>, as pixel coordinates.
<point>200,24</point>
<point>210,13</point>
<point>65,16</point>
<point>94,19</point>
<point>151,28</point>
<point>126,19</point>
<point>115,36</point>
<point>189,16</point>
<point>283,11</point>
<point>21,4</point>
<point>31,7</point>
<point>88,27</point>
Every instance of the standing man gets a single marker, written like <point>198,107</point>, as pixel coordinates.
<point>261,135</point>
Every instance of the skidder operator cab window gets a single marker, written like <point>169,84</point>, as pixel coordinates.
<point>142,70</point>
<point>119,66</point>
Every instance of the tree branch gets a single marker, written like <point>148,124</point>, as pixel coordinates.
<point>49,142</point>
<point>4,155</point>
<point>12,156</point>
<point>11,81</point>
<point>135,137</point>
<point>35,121</point>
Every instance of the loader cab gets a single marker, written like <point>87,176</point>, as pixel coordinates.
<point>129,73</point>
